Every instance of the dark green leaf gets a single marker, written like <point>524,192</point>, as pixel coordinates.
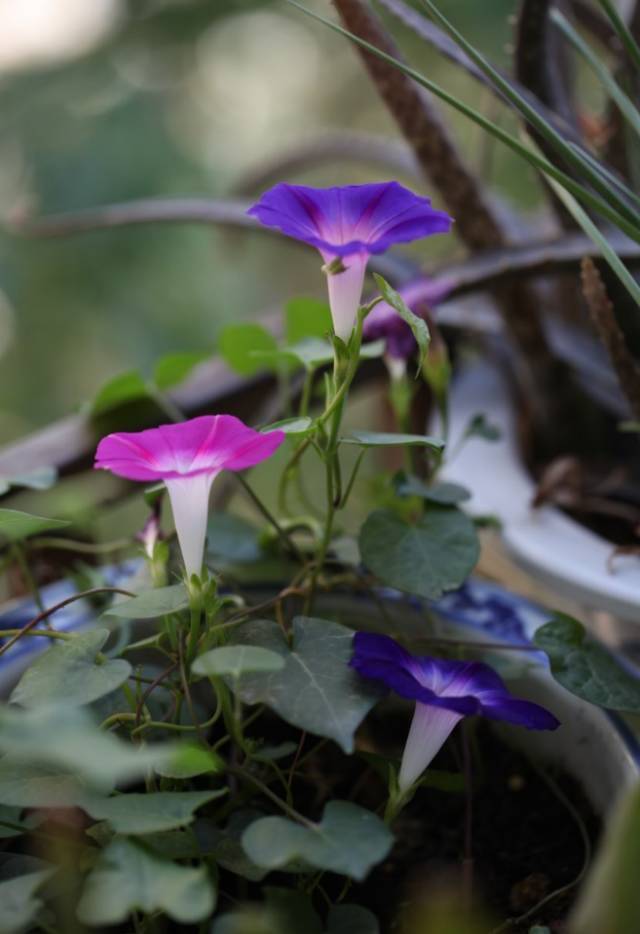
<point>351,919</point>
<point>148,813</point>
<point>121,390</point>
<point>418,325</point>
<point>584,667</point>
<point>444,494</point>
<point>174,368</point>
<point>225,847</point>
<point>348,840</point>
<point>374,439</point>
<point>236,660</point>
<point>238,344</point>
<point>306,317</point>
<point>68,671</point>
<point>128,878</point>
<point>152,603</point>
<point>427,558</point>
<point>18,903</point>
<point>16,526</point>
<point>316,690</point>
<point>480,427</point>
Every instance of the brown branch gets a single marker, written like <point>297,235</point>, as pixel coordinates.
<point>424,130</point>
<point>610,333</point>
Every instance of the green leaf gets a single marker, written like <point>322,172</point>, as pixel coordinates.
<point>292,426</point>
<point>66,738</point>
<point>609,900</point>
<point>174,368</point>
<point>128,878</point>
<point>285,911</point>
<point>427,558</point>
<point>316,690</point>
<point>42,478</point>
<point>18,903</point>
<point>374,439</point>
<point>148,813</point>
<point>236,660</point>
<point>152,603</point>
<point>443,494</point>
<point>480,427</point>
<point>348,840</point>
<point>190,761</point>
<point>238,344</point>
<point>418,325</point>
<point>121,390</point>
<point>224,844</point>
<point>16,526</point>
<point>351,919</point>
<point>232,539</point>
<point>26,784</point>
<point>585,667</point>
<point>69,671</point>
<point>306,317</point>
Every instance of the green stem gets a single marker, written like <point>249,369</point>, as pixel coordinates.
<point>285,539</point>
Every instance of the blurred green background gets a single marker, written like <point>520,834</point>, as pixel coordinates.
<point>109,100</point>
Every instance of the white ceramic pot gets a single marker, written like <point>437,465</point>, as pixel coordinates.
<point>554,548</point>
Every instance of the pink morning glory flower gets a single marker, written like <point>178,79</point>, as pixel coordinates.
<point>444,692</point>
<point>348,225</point>
<point>384,322</point>
<point>187,457</point>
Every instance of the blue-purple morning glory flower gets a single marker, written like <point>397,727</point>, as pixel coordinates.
<point>349,224</point>
<point>383,322</point>
<point>445,692</point>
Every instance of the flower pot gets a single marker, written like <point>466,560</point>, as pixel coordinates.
<point>594,747</point>
<point>557,550</point>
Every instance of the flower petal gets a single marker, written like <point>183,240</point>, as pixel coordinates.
<point>350,219</point>
<point>190,506</point>
<point>430,728</point>
<point>202,445</point>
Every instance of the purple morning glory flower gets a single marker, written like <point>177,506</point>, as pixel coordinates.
<point>349,224</point>
<point>383,322</point>
<point>445,692</point>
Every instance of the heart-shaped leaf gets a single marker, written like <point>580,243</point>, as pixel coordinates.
<point>427,557</point>
<point>348,840</point>
<point>174,368</point>
<point>152,603</point>
<point>236,660</point>
<point>306,317</point>
<point>129,878</point>
<point>69,670</point>
<point>238,345</point>
<point>315,690</point>
<point>148,813</point>
<point>585,667</point>
<point>121,390</point>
